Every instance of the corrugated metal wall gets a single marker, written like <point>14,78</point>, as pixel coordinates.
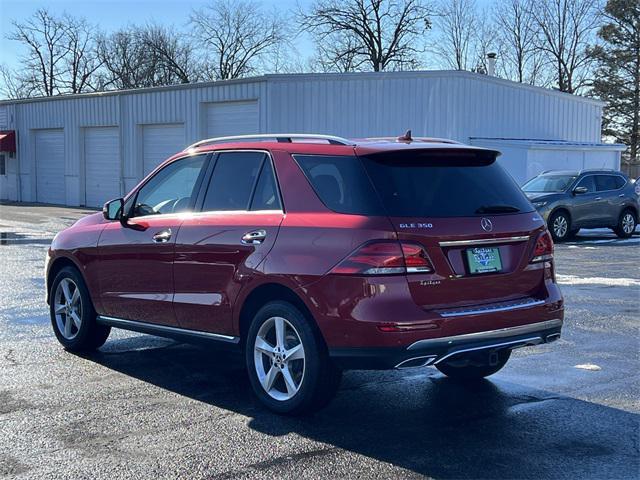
<point>456,105</point>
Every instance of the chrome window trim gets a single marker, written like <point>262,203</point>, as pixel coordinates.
<point>484,241</point>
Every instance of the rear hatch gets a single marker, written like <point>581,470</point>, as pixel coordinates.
<point>475,224</point>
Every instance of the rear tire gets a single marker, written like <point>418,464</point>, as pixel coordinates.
<point>560,226</point>
<point>290,372</point>
<point>474,366</point>
<point>73,317</point>
<point>626,224</point>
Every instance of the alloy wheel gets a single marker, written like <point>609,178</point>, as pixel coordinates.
<point>628,223</point>
<point>68,308</point>
<point>560,226</point>
<point>279,358</point>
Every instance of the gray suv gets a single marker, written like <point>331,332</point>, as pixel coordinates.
<point>571,200</point>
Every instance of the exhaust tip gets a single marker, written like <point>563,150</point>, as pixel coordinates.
<point>416,362</point>
<point>553,337</point>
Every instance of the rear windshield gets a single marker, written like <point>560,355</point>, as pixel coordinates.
<point>411,184</point>
<point>444,184</point>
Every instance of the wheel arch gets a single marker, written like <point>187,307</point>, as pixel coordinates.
<point>57,264</point>
<point>561,208</point>
<point>269,292</point>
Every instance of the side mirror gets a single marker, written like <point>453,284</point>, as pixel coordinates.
<point>112,210</point>
<point>580,190</point>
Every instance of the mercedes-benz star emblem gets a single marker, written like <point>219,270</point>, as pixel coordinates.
<point>486,224</point>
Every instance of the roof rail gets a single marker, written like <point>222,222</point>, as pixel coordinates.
<point>278,137</point>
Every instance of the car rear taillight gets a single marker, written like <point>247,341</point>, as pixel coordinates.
<point>385,258</point>
<point>544,248</point>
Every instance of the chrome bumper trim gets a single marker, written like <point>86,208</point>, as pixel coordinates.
<point>501,334</point>
<point>484,241</point>
<point>526,342</point>
<point>162,329</point>
<point>496,307</point>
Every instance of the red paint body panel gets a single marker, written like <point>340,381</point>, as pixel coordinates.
<point>136,274</point>
<point>212,265</point>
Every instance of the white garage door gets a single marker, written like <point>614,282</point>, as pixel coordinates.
<point>102,165</point>
<point>49,153</point>
<point>232,118</point>
<point>160,142</point>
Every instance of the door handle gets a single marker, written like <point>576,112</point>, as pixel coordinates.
<point>254,238</point>
<point>621,195</point>
<point>162,236</point>
<point>598,198</point>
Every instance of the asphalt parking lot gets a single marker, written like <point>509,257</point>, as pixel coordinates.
<point>145,407</point>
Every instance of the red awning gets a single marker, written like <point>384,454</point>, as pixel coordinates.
<point>8,141</point>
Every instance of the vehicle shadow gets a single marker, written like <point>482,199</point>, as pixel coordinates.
<point>417,420</point>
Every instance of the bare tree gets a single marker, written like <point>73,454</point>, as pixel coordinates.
<point>173,56</point>
<point>377,34</point>
<point>517,31</point>
<point>146,56</point>
<point>45,39</point>
<point>566,31</point>
<point>80,61</point>
<point>235,35</point>
<point>125,60</point>
<point>59,56</point>
<point>457,22</point>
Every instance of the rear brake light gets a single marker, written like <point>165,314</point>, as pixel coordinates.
<point>385,258</point>
<point>544,248</point>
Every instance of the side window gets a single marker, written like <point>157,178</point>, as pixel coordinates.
<point>266,194</point>
<point>171,189</point>
<point>341,183</point>
<point>620,182</point>
<point>588,182</point>
<point>232,182</point>
<point>3,164</point>
<point>605,182</point>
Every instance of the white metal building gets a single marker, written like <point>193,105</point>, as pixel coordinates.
<point>86,149</point>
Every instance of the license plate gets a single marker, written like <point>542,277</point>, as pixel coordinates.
<point>484,260</point>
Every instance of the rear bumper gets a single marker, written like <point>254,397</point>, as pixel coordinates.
<point>434,350</point>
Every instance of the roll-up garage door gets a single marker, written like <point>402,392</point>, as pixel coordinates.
<point>232,118</point>
<point>160,142</point>
<point>102,165</point>
<point>49,153</point>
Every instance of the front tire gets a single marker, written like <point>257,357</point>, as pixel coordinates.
<point>560,226</point>
<point>626,224</point>
<point>474,366</point>
<point>289,368</point>
<point>73,317</point>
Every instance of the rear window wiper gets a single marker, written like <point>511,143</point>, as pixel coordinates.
<point>497,209</point>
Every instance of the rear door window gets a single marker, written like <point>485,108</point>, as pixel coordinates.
<point>266,195</point>
<point>605,182</point>
<point>233,180</point>
<point>444,184</point>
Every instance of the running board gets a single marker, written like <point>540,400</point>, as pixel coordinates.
<point>166,331</point>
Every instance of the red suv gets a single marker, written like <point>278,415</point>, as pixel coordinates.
<point>313,254</point>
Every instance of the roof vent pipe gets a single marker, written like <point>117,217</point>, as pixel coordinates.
<point>491,64</point>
